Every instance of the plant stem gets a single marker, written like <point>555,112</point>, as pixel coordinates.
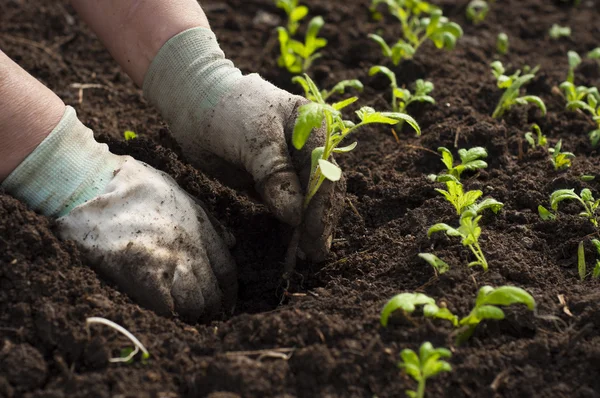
<point>421,388</point>
<point>476,249</point>
<point>138,345</point>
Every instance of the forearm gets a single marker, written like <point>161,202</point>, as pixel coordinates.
<point>28,113</point>
<point>134,30</point>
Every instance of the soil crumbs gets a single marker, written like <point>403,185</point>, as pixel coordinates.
<point>324,340</point>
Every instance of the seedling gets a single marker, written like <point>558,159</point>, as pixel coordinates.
<point>297,57</point>
<point>470,159</point>
<point>486,304</point>
<point>596,271</point>
<point>339,88</point>
<point>469,232</point>
<point>541,138</point>
<point>407,302</point>
<point>477,10</point>
<point>512,85</point>
<point>294,12</point>
<point>574,62</point>
<point>560,160</point>
<point>401,97</point>
<point>463,201</point>
<point>129,135</point>
<point>591,106</point>
<point>417,30</point>
<point>424,366</point>
<point>594,54</point>
<point>585,198</point>
<point>314,115</point>
<point>439,265</point>
<point>557,31</point>
<point>138,345</point>
<point>581,266</point>
<point>502,44</point>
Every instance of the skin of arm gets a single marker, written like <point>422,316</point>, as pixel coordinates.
<point>29,111</point>
<point>133,31</point>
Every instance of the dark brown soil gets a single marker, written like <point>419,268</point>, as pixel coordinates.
<point>331,321</point>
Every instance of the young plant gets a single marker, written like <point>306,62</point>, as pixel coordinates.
<point>560,160</point>
<point>314,115</point>
<point>594,54</point>
<point>591,106</point>
<point>502,44</point>
<point>574,62</point>
<point>585,198</point>
<point>541,138</point>
<point>486,307</point>
<point>407,302</point>
<point>470,159</point>
<point>469,232</point>
<point>416,29</point>
<point>401,97</point>
<point>297,57</point>
<point>512,85</point>
<point>582,264</point>
<point>138,345</point>
<point>424,366</point>
<point>477,10</point>
<point>439,265</point>
<point>129,135</point>
<point>294,12</point>
<point>557,31</point>
<point>339,88</point>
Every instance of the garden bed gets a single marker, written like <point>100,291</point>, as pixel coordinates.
<point>324,339</point>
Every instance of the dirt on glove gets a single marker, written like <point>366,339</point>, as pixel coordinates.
<point>325,338</point>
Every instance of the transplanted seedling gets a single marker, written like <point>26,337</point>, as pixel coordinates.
<point>512,85</point>
<point>314,115</point>
<point>469,231</point>
<point>470,159</point>
<point>585,198</point>
<point>539,140</point>
<point>128,354</point>
<point>402,97</point>
<point>590,106</point>
<point>339,88</point>
<point>477,10</point>
<point>421,21</point>
<point>560,160</point>
<point>407,302</point>
<point>297,57</point>
<point>486,307</point>
<point>424,366</point>
<point>502,44</point>
<point>581,263</point>
<point>294,12</point>
<point>129,135</point>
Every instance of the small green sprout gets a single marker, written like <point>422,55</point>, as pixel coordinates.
<point>596,271</point>
<point>339,88</point>
<point>407,302</point>
<point>486,306</point>
<point>294,12</point>
<point>502,44</point>
<point>546,214</point>
<point>541,138</point>
<point>587,177</point>
<point>591,106</point>
<point>129,135</point>
<point>560,160</point>
<point>557,31</point>
<point>401,97</point>
<point>590,205</point>
<point>416,29</point>
<point>594,54</point>
<point>297,57</point>
<point>316,114</point>
<point>469,232</point>
<point>424,366</point>
<point>574,62</point>
<point>477,10</point>
<point>439,265</point>
<point>123,358</point>
<point>581,266</point>
<point>470,159</point>
<point>513,85</point>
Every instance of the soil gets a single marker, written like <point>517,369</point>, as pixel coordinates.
<point>324,339</point>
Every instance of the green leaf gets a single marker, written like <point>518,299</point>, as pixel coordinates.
<point>545,214</point>
<point>574,59</point>
<point>594,54</point>
<point>581,266</point>
<point>405,302</point>
<point>344,103</point>
<point>447,157</point>
<point>315,155</point>
<point>502,44</point>
<point>310,116</point>
<point>346,149</point>
<point>341,87</point>
<point>508,295</point>
<point>129,135</point>
<point>304,83</point>
<point>438,264</point>
<point>329,170</point>
<point>399,116</point>
<point>536,101</point>
<point>386,71</point>
<point>587,178</point>
<point>489,312</point>
<point>488,203</point>
<point>298,13</point>
<point>472,154</point>
<point>562,194</point>
<point>387,51</point>
<point>441,227</point>
<point>596,271</point>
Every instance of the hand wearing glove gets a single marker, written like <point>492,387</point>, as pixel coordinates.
<point>223,119</point>
<point>133,223</point>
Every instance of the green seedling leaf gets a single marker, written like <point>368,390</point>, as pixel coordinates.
<point>421,367</point>
<point>438,264</point>
<point>342,104</point>
<point>329,170</point>
<point>502,44</point>
<point>546,214</point>
<point>477,10</point>
<point>581,266</point>
<point>407,302</point>
<point>346,149</point>
<point>594,54</point>
<point>129,135</point>
<point>587,178</point>
<point>310,116</point>
<point>557,31</point>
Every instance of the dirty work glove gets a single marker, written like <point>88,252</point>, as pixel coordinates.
<point>223,119</point>
<point>133,223</point>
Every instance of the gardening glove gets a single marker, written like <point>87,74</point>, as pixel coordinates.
<point>223,121</point>
<point>133,223</point>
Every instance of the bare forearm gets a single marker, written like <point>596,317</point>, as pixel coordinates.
<point>29,111</point>
<point>134,30</point>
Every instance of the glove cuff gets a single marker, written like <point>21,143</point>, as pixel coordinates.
<point>67,169</point>
<point>187,77</point>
